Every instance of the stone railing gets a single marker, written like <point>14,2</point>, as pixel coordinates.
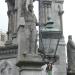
<point>10,51</point>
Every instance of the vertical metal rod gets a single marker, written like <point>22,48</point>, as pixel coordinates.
<point>56,47</point>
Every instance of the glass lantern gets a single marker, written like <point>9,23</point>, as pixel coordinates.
<point>46,35</point>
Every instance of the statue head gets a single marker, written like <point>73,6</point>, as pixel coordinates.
<point>30,7</point>
<point>70,37</point>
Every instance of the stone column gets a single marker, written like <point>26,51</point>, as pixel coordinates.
<point>47,10</point>
<point>11,24</point>
<point>60,13</point>
<point>10,20</point>
<point>41,12</point>
<point>15,13</point>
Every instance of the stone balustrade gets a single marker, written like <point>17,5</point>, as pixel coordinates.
<point>10,51</point>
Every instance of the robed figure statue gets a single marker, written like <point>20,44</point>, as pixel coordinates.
<point>71,54</point>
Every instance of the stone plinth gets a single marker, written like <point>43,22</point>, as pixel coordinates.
<point>31,69</point>
<point>71,73</point>
<point>30,65</point>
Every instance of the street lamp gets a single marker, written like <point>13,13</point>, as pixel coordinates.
<point>49,69</point>
<point>47,33</point>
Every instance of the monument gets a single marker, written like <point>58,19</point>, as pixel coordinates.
<point>21,49</point>
<point>29,61</point>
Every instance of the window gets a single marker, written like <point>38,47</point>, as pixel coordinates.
<point>2,37</point>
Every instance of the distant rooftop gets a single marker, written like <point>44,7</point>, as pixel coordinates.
<point>3,38</point>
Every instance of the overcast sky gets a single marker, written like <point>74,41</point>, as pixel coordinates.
<point>68,17</point>
<point>3,16</point>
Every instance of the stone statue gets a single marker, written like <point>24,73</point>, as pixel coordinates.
<point>30,27</point>
<point>71,54</point>
<point>5,68</point>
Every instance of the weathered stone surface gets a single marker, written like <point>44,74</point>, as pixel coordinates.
<point>22,21</point>
<point>71,55</point>
<point>27,32</point>
<point>50,9</point>
<point>37,72</point>
<point>59,68</point>
<point>11,15</point>
<point>7,67</point>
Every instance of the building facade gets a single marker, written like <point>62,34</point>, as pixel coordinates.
<point>3,38</point>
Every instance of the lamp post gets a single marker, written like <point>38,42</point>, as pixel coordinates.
<point>47,33</point>
<point>49,69</point>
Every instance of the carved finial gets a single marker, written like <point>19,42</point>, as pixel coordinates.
<point>60,12</point>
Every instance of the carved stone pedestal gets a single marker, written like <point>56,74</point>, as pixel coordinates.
<point>30,65</point>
